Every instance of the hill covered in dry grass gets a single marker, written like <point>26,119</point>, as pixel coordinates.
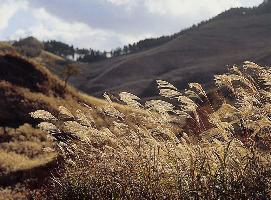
<point>140,154</point>
<point>25,87</point>
<point>27,154</point>
<point>195,55</point>
<point>91,148</point>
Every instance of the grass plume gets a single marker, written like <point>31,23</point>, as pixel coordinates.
<point>143,153</point>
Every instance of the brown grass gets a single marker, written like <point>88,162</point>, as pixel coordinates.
<point>135,150</point>
<point>4,47</point>
<point>22,155</point>
<point>138,154</point>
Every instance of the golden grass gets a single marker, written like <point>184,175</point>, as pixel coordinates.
<point>5,47</point>
<point>143,155</point>
<point>140,151</point>
<point>24,149</point>
<point>11,161</point>
<point>46,54</point>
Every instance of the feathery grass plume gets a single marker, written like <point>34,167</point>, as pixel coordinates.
<point>198,88</point>
<point>265,76</point>
<point>249,64</point>
<point>64,111</point>
<point>130,100</point>
<point>110,110</point>
<point>162,108</point>
<point>191,94</point>
<point>260,124</point>
<point>224,80</point>
<point>218,118</point>
<point>142,155</point>
<point>159,106</point>
<point>165,84</point>
<point>120,128</point>
<point>48,149</point>
<point>107,98</point>
<point>75,127</point>
<point>226,111</point>
<point>82,118</point>
<point>167,89</point>
<point>42,114</point>
<point>169,93</point>
<point>87,106</point>
<point>46,126</point>
<point>235,69</point>
<point>189,105</point>
<point>248,82</point>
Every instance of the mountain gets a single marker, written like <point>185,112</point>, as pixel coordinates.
<point>197,54</point>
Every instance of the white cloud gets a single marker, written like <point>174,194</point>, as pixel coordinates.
<point>105,24</point>
<point>128,4</point>
<point>250,3</point>
<point>79,34</point>
<point>189,7</point>
<point>130,39</point>
<point>121,2</point>
<point>8,8</point>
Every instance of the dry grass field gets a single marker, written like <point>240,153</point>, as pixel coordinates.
<point>25,155</point>
<point>185,143</point>
<point>142,152</point>
<point>213,145</point>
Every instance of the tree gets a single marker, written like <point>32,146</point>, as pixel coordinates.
<point>29,47</point>
<point>125,49</point>
<point>59,48</point>
<point>68,71</point>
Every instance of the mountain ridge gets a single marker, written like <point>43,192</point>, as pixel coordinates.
<point>194,56</point>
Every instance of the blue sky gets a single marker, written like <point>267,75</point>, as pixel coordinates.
<point>105,24</point>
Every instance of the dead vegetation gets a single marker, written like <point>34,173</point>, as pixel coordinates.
<point>136,154</point>
<point>25,153</point>
<point>92,148</point>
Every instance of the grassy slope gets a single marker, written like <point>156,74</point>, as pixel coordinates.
<point>196,54</point>
<point>26,86</point>
<point>5,47</point>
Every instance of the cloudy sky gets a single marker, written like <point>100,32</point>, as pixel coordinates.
<point>105,24</point>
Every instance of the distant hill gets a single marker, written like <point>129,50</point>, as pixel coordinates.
<point>194,56</point>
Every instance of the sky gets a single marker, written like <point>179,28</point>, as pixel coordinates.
<point>105,24</point>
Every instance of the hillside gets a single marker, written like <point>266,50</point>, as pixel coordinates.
<point>26,153</point>
<point>195,55</point>
<point>104,150</point>
<point>5,47</point>
<point>100,149</point>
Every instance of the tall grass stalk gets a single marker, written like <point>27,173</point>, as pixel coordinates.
<point>143,153</point>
